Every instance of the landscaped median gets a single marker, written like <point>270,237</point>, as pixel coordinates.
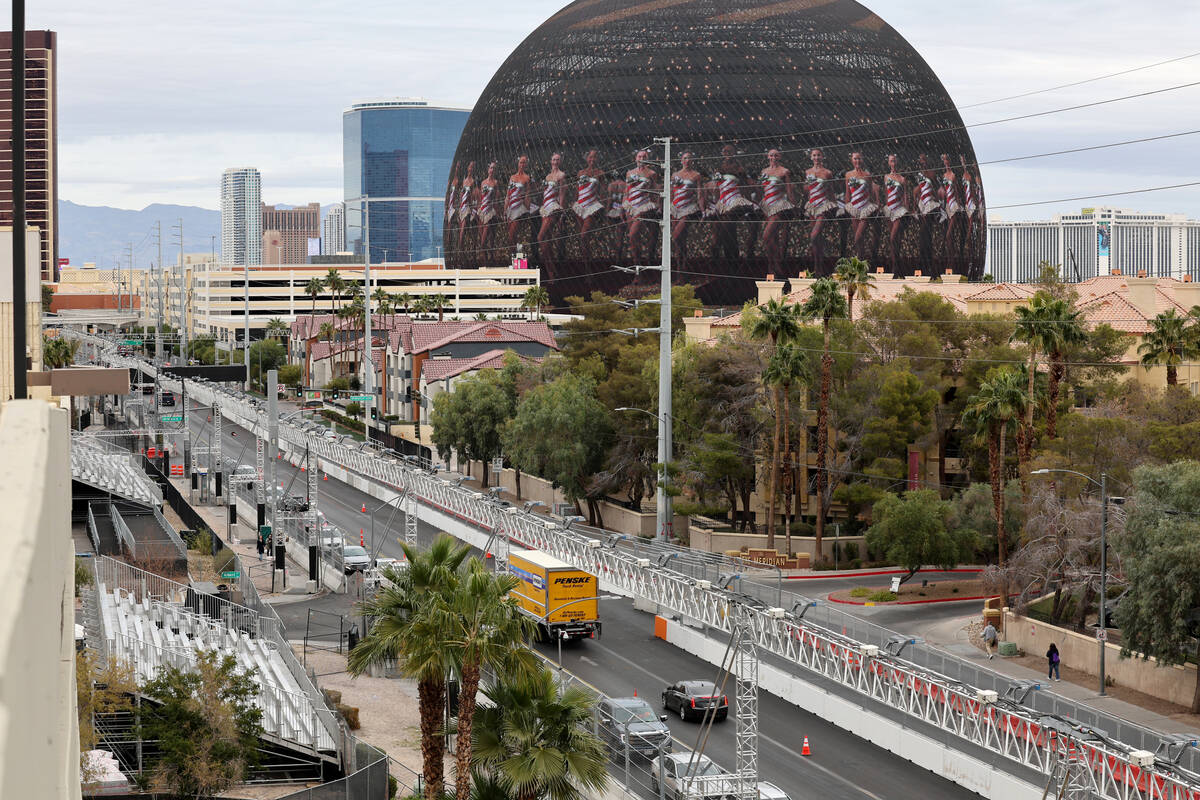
<point>912,593</point>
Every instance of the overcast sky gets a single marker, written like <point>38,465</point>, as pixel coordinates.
<point>156,99</point>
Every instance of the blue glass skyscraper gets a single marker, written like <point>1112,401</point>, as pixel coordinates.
<point>398,154</point>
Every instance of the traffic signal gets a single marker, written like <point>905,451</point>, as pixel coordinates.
<point>374,413</point>
<point>333,394</point>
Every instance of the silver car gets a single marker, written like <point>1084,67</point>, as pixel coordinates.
<point>690,776</point>
<point>355,558</point>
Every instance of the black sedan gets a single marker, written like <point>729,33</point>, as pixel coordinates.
<point>695,700</point>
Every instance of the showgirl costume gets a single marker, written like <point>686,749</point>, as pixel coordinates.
<point>927,200</point>
<point>550,204</point>
<point>895,207</point>
<point>588,201</point>
<point>953,200</point>
<point>774,200</point>
<point>487,203</point>
<point>616,204</point>
<point>860,205</point>
<point>452,203</point>
<point>515,207</point>
<point>819,199</point>
<point>729,194</point>
<point>685,198</point>
<point>639,199</point>
<point>974,201</point>
<point>465,211</point>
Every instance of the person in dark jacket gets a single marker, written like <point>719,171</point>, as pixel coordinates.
<point>1052,660</point>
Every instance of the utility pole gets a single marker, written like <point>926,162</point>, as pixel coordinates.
<point>273,458</point>
<point>183,295</point>
<point>20,310</point>
<point>159,286</point>
<point>368,360</point>
<point>1103,630</point>
<point>665,512</point>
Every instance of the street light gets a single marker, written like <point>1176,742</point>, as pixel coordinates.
<point>663,513</point>
<point>1102,633</point>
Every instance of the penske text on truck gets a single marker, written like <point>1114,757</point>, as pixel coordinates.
<point>560,597</point>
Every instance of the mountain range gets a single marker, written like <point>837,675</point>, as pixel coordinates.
<point>102,235</point>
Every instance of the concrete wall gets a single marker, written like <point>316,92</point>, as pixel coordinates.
<point>720,542</point>
<point>1078,651</point>
<point>39,732</point>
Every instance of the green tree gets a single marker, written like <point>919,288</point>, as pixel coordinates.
<point>901,414</point>
<point>1170,341</point>
<point>1161,556</point>
<point>778,321</point>
<point>561,433</point>
<point>277,328</point>
<point>313,289</point>
<point>47,297</point>
<point>855,278</point>
<point>206,724</point>
<point>469,419</point>
<point>407,628</point>
<point>536,740</point>
<point>404,301</point>
<point>266,355</point>
<point>58,352</point>
<point>973,511</point>
<point>482,628</point>
<point>826,304</point>
<point>787,365</point>
<point>997,405</point>
<point>912,531</point>
<point>336,285</point>
<point>290,375</point>
<point>536,298</point>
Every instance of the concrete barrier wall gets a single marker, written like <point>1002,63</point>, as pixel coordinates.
<point>970,773</point>
<point>1079,651</point>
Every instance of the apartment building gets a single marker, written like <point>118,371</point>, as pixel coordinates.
<point>241,216</point>
<point>294,228</point>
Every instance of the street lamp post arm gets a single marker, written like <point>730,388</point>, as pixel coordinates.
<point>1066,471</point>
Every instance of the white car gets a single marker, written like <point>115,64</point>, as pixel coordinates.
<point>769,791</point>
<point>690,776</point>
<point>355,558</point>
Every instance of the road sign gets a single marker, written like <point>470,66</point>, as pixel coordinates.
<point>361,398</point>
<point>1101,635</point>
<point>132,342</point>
<point>171,417</point>
<point>231,576</point>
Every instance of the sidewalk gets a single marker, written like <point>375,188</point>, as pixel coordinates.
<point>960,637</point>
<point>216,517</point>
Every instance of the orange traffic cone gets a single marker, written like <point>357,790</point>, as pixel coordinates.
<point>364,508</point>
<point>361,541</point>
<point>805,751</point>
<point>325,477</point>
<point>635,692</point>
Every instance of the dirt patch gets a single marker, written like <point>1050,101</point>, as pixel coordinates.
<point>913,590</point>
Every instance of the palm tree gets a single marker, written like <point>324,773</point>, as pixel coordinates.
<point>482,627</point>
<point>336,284</point>
<point>989,412</point>
<point>537,740</point>
<point>406,629</point>
<point>1170,341</point>
<point>381,299</point>
<point>778,321</point>
<point>786,366</point>
<point>826,304</point>
<point>436,303</point>
<point>855,278</point>
<point>58,353</point>
<point>536,297</point>
<point>1065,329</point>
<point>404,300</point>
<point>313,289</point>
<point>276,328</point>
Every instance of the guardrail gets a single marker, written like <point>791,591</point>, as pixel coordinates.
<point>1020,734</point>
<point>93,534</point>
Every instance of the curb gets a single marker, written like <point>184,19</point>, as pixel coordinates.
<point>863,573</point>
<point>832,599</point>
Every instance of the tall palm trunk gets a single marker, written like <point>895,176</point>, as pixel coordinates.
<point>431,702</point>
<point>1025,445</point>
<point>774,490</point>
<point>466,721</point>
<point>1057,370</point>
<point>787,451</point>
<point>1172,379</point>
<point>996,473</point>
<point>822,443</point>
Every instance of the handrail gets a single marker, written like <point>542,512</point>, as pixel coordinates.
<point>93,533</point>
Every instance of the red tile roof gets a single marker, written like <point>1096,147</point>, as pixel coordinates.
<point>436,369</point>
<point>428,336</point>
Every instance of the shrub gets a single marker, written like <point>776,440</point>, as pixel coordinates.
<point>883,596</point>
<point>802,528</point>
<point>856,563</point>
<point>223,561</point>
<point>83,575</point>
<point>354,409</point>
<point>201,541</point>
<point>851,550</point>
<point>860,591</point>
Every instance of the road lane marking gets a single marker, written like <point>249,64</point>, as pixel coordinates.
<point>799,759</point>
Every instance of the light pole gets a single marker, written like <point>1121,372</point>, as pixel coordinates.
<point>1102,632</point>
<point>663,513</point>
<point>545,618</point>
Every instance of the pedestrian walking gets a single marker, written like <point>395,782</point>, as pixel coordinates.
<point>1052,660</point>
<point>261,547</point>
<point>989,639</point>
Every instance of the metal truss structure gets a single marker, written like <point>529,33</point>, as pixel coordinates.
<point>1105,768</point>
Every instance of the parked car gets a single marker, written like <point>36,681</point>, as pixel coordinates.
<point>166,399</point>
<point>678,771</point>
<point>355,558</point>
<point>631,722</point>
<point>329,435</point>
<point>695,700</point>
<point>769,791</point>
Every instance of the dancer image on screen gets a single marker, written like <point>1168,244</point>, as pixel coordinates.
<point>452,194</point>
<point>819,205</point>
<point>641,209</point>
<point>895,208</point>
<point>516,199</point>
<point>616,215</point>
<point>589,201</point>
<point>734,204</point>
<point>973,199</point>
<point>489,202</point>
<point>928,204</point>
<point>952,202</point>
<point>778,198</point>
<point>554,202</point>
<point>862,200</point>
<point>687,204</point>
<point>466,205</point>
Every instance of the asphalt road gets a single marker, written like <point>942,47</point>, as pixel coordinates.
<point>629,658</point>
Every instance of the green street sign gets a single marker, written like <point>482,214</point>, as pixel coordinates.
<point>132,342</point>
<point>172,418</point>
<point>361,398</point>
<point>231,576</point>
